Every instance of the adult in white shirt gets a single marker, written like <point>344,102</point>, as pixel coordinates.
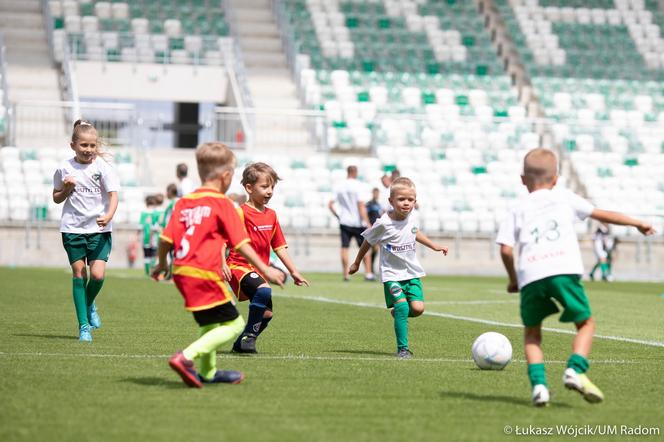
<point>185,184</point>
<point>353,219</point>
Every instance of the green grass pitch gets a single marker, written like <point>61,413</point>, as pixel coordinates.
<point>326,369</point>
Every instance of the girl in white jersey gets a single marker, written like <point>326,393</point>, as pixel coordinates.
<point>549,267</point>
<point>88,185</point>
<point>396,232</point>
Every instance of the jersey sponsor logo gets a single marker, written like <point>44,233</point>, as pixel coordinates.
<point>400,248</point>
<point>263,228</point>
<point>195,215</point>
<point>81,189</point>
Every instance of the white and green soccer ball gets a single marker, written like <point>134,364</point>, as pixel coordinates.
<point>492,351</point>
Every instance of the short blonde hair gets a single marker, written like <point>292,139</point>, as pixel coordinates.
<point>540,166</point>
<point>213,159</point>
<point>401,183</point>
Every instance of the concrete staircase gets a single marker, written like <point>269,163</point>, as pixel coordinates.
<point>31,75</point>
<point>269,80</point>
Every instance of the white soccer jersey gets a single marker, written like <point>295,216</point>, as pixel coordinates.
<point>398,258</point>
<point>348,193</point>
<point>541,228</point>
<point>90,199</point>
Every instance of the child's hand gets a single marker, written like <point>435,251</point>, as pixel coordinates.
<point>159,270</point>
<point>68,184</point>
<point>354,267</point>
<point>103,220</point>
<point>226,271</point>
<point>439,248</point>
<point>299,280</point>
<point>512,287</point>
<point>275,276</point>
<point>646,229</point>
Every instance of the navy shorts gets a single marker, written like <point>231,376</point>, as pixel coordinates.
<point>348,233</point>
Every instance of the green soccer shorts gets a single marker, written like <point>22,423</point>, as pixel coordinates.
<point>87,246</point>
<point>410,289</point>
<point>537,300</point>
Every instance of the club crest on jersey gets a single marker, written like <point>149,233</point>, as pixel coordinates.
<point>395,290</point>
<point>413,230</point>
<point>96,176</point>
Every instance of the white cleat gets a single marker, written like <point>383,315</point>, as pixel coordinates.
<point>581,383</point>
<point>540,395</point>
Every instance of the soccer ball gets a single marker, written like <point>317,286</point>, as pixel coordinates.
<point>492,351</point>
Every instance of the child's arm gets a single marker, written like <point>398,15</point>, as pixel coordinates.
<point>364,248</point>
<point>621,219</point>
<point>507,255</point>
<point>285,258</point>
<point>424,240</point>
<point>68,185</point>
<point>162,264</point>
<point>273,275</point>
<point>225,270</point>
<point>106,218</point>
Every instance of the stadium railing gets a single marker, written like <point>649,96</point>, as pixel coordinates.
<point>279,128</point>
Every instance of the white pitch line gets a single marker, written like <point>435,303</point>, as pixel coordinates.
<point>477,302</point>
<point>471,319</point>
<point>288,357</point>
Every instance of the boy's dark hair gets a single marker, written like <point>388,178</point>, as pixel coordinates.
<point>159,198</point>
<point>171,191</point>
<point>150,200</point>
<point>181,170</point>
<point>253,172</point>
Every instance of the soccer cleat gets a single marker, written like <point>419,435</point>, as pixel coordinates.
<point>185,368</point>
<point>224,377</point>
<point>84,333</point>
<point>404,353</point>
<point>246,344</point>
<point>581,383</point>
<point>93,317</point>
<point>369,278</point>
<point>540,395</point>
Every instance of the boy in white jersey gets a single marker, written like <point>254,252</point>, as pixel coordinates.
<point>549,267</point>
<point>396,232</point>
<point>88,186</point>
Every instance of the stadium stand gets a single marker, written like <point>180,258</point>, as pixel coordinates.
<point>597,73</point>
<point>4,99</point>
<point>165,31</point>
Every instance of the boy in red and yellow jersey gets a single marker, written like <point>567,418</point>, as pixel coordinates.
<point>265,232</point>
<point>202,222</point>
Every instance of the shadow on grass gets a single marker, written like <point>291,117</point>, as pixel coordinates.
<point>495,398</point>
<point>155,382</point>
<point>38,335</point>
<point>364,352</point>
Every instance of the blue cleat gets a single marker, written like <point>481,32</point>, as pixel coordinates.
<point>84,333</point>
<point>224,377</point>
<point>93,317</point>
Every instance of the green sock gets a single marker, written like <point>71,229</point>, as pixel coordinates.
<point>146,266</point>
<point>578,363</point>
<point>537,374</point>
<point>78,290</point>
<point>401,310</point>
<point>595,267</point>
<point>605,269</point>
<point>92,290</point>
<point>207,362</point>
<point>211,338</point>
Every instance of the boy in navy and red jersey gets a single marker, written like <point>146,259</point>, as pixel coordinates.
<point>202,222</point>
<point>265,232</point>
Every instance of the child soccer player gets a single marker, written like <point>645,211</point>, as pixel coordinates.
<point>549,267</point>
<point>265,232</point>
<point>202,222</point>
<point>149,222</point>
<point>603,245</point>
<point>88,186</point>
<point>396,232</point>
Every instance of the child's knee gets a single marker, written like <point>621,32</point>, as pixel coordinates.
<point>533,334</point>
<point>262,297</point>
<point>589,323</point>
<point>268,314</point>
<point>416,308</point>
